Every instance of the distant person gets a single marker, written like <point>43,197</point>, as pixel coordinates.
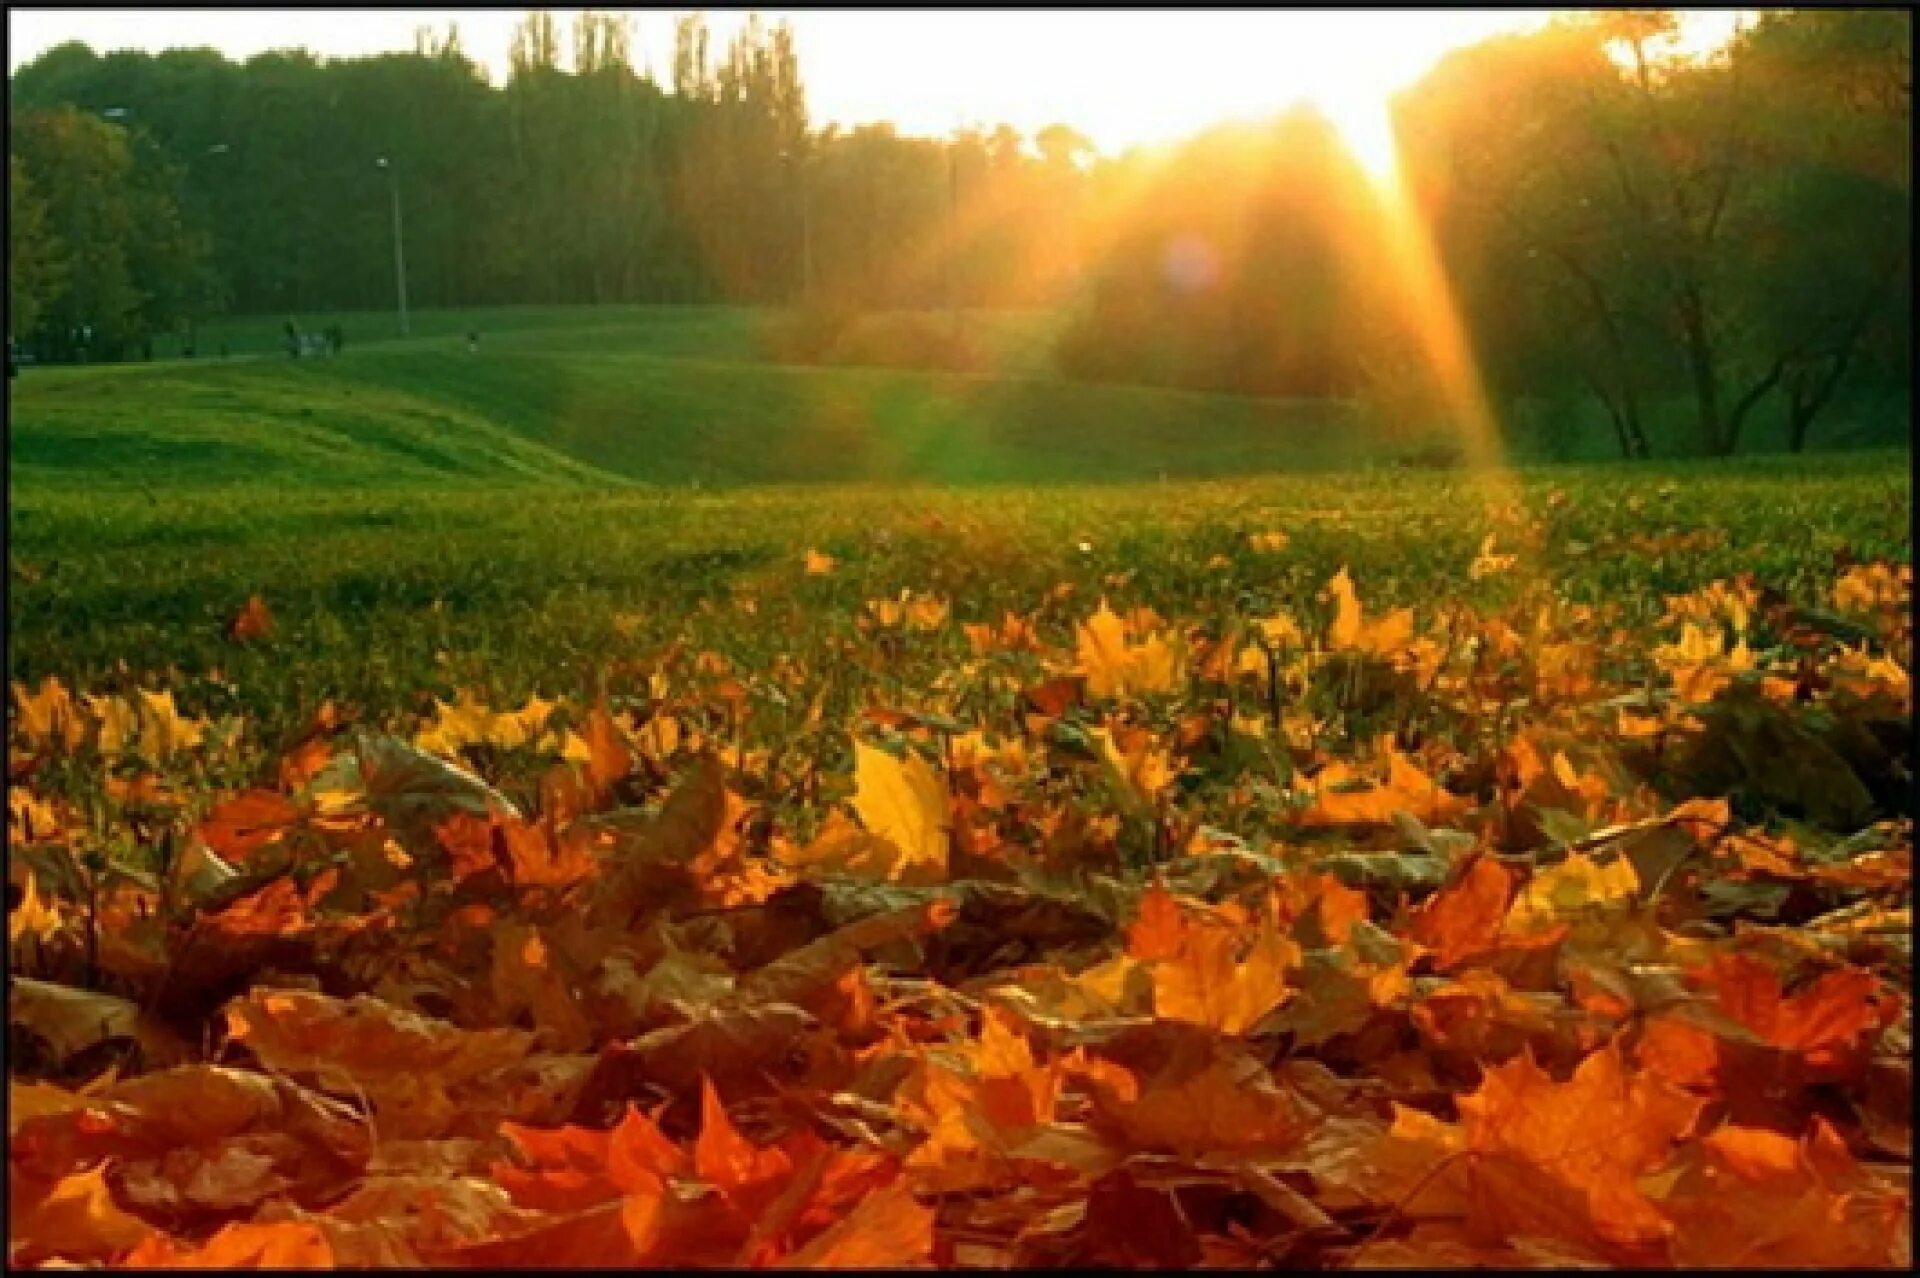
<point>336,338</point>
<point>473,341</point>
<point>293,338</point>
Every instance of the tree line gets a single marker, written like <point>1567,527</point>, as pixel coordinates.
<point>1612,220</point>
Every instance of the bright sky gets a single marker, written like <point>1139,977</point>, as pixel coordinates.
<point>1121,76</point>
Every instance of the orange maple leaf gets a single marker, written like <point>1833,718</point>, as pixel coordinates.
<point>1463,919</point>
<point>255,621</point>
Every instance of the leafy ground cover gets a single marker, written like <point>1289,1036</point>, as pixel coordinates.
<point>1350,870</point>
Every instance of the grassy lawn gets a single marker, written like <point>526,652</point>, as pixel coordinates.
<point>383,593</point>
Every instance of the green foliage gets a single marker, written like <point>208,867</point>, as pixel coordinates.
<point>82,166</point>
<point>1614,214</point>
<point>36,259</point>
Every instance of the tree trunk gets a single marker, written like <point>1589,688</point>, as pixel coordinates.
<point>1706,381</point>
<point>1624,411</point>
<point>1808,393</point>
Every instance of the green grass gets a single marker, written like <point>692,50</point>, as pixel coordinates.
<point>420,519</point>
<point>384,594</point>
<point>638,395</point>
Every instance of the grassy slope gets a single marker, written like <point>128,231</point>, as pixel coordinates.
<point>638,395</point>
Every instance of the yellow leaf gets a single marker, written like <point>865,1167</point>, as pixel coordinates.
<point>819,565</point>
<point>905,804</point>
<point>32,917</point>
<point>47,716</point>
<point>1115,668</point>
<point>1486,563</point>
<point>1570,888</point>
<point>1203,984</point>
<point>1350,629</point>
<point>926,613</point>
<point>1407,789</point>
<point>118,722</point>
<point>455,726</point>
<point>162,728</point>
<point>842,847</point>
<point>1142,771</point>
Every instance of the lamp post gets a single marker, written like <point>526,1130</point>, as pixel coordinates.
<point>399,252</point>
<point>796,165</point>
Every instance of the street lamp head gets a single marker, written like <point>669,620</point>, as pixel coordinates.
<point>380,162</point>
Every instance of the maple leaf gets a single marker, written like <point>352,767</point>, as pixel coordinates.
<point>411,1220</point>
<point>692,821</point>
<point>1140,771</point>
<point>607,755</point>
<point>1463,919</point>
<point>888,1229</point>
<point>73,1218</point>
<point>1342,797</point>
<point>1349,629</point>
<point>255,621</point>
<point>813,973</point>
<point>48,717</point>
<point>115,723</point>
<point>905,803</point>
<point>1115,667</point>
<point>1206,984</point>
<point>727,1160</point>
<point>163,729</point>
<point>238,826</point>
<point>1487,563</point>
<point>843,848</point>
<point>1230,1105</point>
<point>528,976</point>
<point>34,1100</point>
<point>31,915</point>
<point>1577,886</point>
<point>1757,1198</point>
<point>410,790</point>
<point>363,1039</point>
<point>1830,1024</point>
<point>1564,1157</point>
<point>570,1169</point>
<point>1159,929</point>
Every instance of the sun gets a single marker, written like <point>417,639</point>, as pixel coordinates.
<point>1365,125</point>
<point>1160,80</point>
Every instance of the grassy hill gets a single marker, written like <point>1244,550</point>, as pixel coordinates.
<point>679,395</point>
<point>632,394</point>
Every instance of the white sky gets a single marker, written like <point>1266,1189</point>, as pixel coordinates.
<point>1120,76</point>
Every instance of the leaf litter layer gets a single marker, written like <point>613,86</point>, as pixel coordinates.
<point>1332,936</point>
